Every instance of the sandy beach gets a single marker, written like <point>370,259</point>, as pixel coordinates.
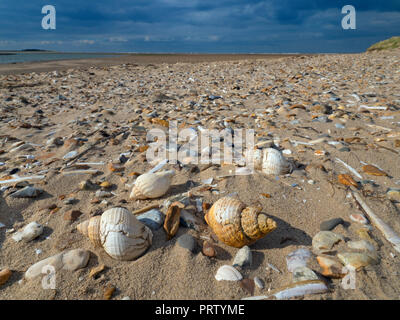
<point>319,111</point>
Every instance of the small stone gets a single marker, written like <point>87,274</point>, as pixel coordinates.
<point>324,241</point>
<point>87,185</point>
<point>72,215</point>
<point>103,194</point>
<point>303,274</point>
<point>393,194</point>
<point>187,241</point>
<point>208,249</point>
<point>5,274</point>
<point>356,260</point>
<point>70,201</point>
<point>153,219</point>
<point>114,167</point>
<point>243,257</point>
<point>339,126</point>
<point>70,155</point>
<point>330,224</point>
<point>30,232</point>
<point>105,185</point>
<point>27,192</point>
<point>248,285</point>
<point>344,149</point>
<point>108,292</point>
<point>70,260</point>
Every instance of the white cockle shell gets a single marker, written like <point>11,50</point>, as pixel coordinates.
<point>228,273</point>
<point>275,163</point>
<point>119,232</point>
<point>152,185</point>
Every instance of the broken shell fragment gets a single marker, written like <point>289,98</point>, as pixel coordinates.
<point>331,268</point>
<point>152,185</point>
<point>30,232</point>
<point>300,289</point>
<point>237,225</point>
<point>356,260</point>
<point>347,180</point>
<point>373,171</point>
<point>274,162</point>
<point>172,219</point>
<point>297,259</point>
<point>324,241</point>
<point>119,232</point>
<point>228,273</point>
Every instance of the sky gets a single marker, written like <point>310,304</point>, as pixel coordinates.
<point>203,26</point>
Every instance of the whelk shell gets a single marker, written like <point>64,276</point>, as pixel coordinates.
<point>274,162</point>
<point>119,232</point>
<point>152,185</point>
<point>237,225</point>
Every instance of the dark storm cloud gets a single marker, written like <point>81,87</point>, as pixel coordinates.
<point>198,26</point>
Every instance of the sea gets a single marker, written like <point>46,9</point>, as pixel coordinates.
<point>17,57</point>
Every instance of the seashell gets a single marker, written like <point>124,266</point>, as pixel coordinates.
<point>172,219</point>
<point>236,225</point>
<point>356,260</point>
<point>300,289</point>
<point>373,171</point>
<point>324,241</point>
<point>119,232</point>
<point>228,273</point>
<point>152,185</point>
<point>297,259</point>
<point>275,163</point>
<point>347,180</point>
<point>30,232</point>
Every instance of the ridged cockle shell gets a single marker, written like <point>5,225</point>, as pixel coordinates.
<point>152,185</point>
<point>274,162</point>
<point>119,232</point>
<point>237,225</point>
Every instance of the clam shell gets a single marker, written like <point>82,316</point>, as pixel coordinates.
<point>152,185</point>
<point>228,273</point>
<point>236,225</point>
<point>274,162</point>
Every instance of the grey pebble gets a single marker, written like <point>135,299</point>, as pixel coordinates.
<point>329,225</point>
<point>187,241</point>
<point>153,219</point>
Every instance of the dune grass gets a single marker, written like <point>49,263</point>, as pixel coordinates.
<point>388,44</point>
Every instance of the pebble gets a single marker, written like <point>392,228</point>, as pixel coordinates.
<point>87,185</point>
<point>187,241</point>
<point>243,257</point>
<point>330,224</point>
<point>70,260</point>
<point>108,292</point>
<point>153,219</point>
<point>30,232</point>
<point>297,259</point>
<point>103,194</point>
<point>72,215</point>
<point>324,241</point>
<point>208,249</point>
<point>344,149</point>
<point>339,126</point>
<point>5,274</point>
<point>27,192</point>
<point>393,194</point>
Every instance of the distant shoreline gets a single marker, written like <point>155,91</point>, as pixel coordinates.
<point>132,58</point>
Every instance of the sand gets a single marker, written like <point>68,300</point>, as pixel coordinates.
<point>255,94</point>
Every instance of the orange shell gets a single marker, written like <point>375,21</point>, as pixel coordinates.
<point>236,225</point>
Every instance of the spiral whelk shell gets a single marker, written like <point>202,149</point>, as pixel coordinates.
<point>274,162</point>
<point>152,185</point>
<point>119,233</point>
<point>237,225</point>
